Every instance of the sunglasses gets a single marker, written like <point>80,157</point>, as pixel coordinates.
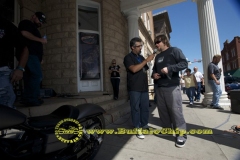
<point>157,42</point>
<point>138,46</point>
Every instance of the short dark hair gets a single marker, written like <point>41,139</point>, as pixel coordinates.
<point>163,39</point>
<point>188,70</point>
<point>134,40</point>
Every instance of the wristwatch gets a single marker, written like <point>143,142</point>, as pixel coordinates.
<point>20,68</point>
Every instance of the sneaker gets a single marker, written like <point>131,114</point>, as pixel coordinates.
<point>139,134</point>
<point>218,107</point>
<point>198,100</point>
<point>191,103</point>
<point>180,141</point>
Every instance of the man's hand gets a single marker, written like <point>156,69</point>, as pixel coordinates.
<point>16,75</point>
<point>217,82</point>
<point>150,57</point>
<point>43,40</point>
<point>164,70</point>
<point>156,76</point>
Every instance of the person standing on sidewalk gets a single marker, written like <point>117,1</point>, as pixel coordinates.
<point>137,84</point>
<point>114,70</point>
<point>214,74</point>
<point>198,75</point>
<point>33,73</point>
<point>190,84</point>
<point>166,69</point>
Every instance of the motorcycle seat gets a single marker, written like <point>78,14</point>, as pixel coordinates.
<point>10,117</point>
<point>51,120</point>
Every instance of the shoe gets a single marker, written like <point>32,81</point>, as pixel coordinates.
<point>115,98</point>
<point>191,103</point>
<point>217,107</point>
<point>180,141</point>
<point>139,134</point>
<point>198,100</point>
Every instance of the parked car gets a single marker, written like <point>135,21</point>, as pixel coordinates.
<point>232,86</point>
<point>230,79</point>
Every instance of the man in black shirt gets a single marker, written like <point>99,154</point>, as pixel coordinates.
<point>169,98</point>
<point>33,75</point>
<point>214,74</point>
<point>137,84</point>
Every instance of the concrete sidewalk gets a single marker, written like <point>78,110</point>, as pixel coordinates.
<point>220,145</point>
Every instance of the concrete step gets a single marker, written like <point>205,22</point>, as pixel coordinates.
<point>107,105</point>
<point>115,113</point>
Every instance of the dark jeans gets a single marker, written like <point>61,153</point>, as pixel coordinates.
<point>115,84</point>
<point>198,91</point>
<point>139,102</point>
<point>190,93</point>
<point>32,78</point>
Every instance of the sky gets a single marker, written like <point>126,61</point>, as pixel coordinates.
<point>185,28</point>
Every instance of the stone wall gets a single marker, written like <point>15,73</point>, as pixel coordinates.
<point>115,42</point>
<point>60,56</point>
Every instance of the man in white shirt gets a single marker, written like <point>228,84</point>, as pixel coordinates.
<point>199,78</point>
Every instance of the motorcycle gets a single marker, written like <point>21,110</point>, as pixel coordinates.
<point>60,135</point>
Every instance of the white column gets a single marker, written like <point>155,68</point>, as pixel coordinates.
<point>210,46</point>
<point>132,17</point>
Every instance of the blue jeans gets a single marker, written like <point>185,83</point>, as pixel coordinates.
<point>32,79</point>
<point>198,91</point>
<point>7,95</point>
<point>190,93</point>
<point>217,92</point>
<point>139,102</point>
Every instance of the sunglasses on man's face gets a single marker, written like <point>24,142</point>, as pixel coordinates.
<point>157,42</point>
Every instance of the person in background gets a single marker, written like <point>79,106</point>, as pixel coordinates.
<point>198,75</point>
<point>190,84</point>
<point>114,71</point>
<point>166,69</point>
<point>137,84</point>
<point>214,75</point>
<point>183,88</point>
<point>33,73</point>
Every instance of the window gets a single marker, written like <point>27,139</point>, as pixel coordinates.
<point>233,52</point>
<point>227,56</point>
<point>228,67</point>
<point>88,18</point>
<point>234,64</point>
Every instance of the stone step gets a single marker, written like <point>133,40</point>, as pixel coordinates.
<point>115,113</point>
<point>107,105</point>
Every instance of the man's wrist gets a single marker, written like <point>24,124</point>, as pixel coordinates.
<point>20,68</point>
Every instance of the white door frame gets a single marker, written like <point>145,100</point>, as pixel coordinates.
<point>97,6</point>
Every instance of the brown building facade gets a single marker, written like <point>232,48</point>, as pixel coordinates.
<point>231,57</point>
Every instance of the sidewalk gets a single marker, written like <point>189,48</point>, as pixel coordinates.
<point>220,145</point>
